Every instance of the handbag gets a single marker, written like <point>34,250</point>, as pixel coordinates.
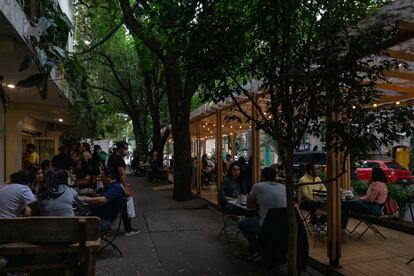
<point>390,207</point>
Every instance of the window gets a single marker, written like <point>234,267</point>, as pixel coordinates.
<point>393,165</point>
<point>372,165</point>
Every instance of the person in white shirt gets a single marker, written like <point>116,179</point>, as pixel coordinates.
<point>16,198</point>
<point>263,196</point>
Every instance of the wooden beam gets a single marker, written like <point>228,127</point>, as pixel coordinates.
<point>399,55</point>
<point>406,26</point>
<point>399,74</point>
<point>198,155</point>
<point>219,162</point>
<point>255,146</point>
<point>396,88</point>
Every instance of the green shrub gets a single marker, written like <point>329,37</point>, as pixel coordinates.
<point>401,194</point>
<point>359,187</point>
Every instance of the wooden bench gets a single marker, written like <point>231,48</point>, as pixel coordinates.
<point>50,235</point>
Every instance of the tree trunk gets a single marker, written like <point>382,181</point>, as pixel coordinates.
<point>293,230</point>
<point>179,108</point>
<point>140,136</point>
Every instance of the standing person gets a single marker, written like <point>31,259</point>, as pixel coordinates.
<point>32,157</point>
<point>85,150</point>
<point>227,162</point>
<point>156,164</point>
<point>75,153</point>
<point>117,163</point>
<point>372,202</point>
<point>16,198</point>
<point>46,167</point>
<point>62,161</point>
<point>306,199</point>
<point>247,176</point>
<point>263,196</point>
<point>96,162</point>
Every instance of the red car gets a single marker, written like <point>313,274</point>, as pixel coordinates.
<point>395,172</point>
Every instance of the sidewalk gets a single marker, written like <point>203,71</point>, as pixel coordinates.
<point>177,238</point>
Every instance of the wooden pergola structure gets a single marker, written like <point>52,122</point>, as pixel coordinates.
<point>208,122</point>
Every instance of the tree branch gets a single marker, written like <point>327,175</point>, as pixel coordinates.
<point>137,28</point>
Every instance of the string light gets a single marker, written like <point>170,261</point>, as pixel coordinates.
<point>397,102</point>
<point>240,126</point>
<point>374,105</point>
<point>353,107</point>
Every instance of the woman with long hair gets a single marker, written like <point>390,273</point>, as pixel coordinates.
<point>372,201</point>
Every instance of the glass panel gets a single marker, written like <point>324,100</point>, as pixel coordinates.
<point>45,148</point>
<point>393,165</point>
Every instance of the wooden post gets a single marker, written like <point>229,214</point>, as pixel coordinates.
<point>233,144</point>
<point>219,162</point>
<point>346,185</point>
<point>334,206</point>
<point>198,156</point>
<point>255,146</point>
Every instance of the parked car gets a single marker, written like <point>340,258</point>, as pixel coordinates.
<point>300,159</point>
<point>395,172</point>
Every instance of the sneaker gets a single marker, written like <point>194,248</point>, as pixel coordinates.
<point>131,231</point>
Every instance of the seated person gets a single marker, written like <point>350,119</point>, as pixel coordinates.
<point>230,189</point>
<point>156,164</point>
<point>206,168</point>
<point>16,198</point>
<point>263,196</point>
<point>110,202</point>
<point>306,199</point>
<point>371,202</point>
<point>56,198</point>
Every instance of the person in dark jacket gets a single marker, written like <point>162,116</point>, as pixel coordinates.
<point>62,160</point>
<point>230,188</point>
<point>246,175</point>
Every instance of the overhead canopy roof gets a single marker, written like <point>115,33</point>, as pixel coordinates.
<point>399,87</point>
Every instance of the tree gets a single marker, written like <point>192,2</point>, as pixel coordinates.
<point>167,28</point>
<point>308,57</point>
<point>117,64</point>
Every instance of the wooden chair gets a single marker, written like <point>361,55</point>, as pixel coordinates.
<point>50,235</point>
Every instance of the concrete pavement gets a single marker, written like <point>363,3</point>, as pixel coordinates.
<point>177,238</point>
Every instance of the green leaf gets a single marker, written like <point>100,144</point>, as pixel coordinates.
<point>30,81</point>
<point>27,62</point>
<point>57,51</point>
<point>41,56</point>
<point>63,18</point>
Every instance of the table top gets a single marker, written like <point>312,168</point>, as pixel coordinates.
<point>242,206</point>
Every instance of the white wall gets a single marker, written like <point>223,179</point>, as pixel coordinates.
<point>67,8</point>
